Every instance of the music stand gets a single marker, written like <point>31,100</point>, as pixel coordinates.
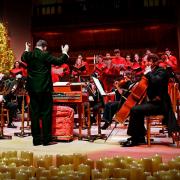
<point>22,133</point>
<point>102,93</point>
<point>3,91</point>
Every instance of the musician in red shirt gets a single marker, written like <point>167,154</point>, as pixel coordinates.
<point>58,72</point>
<point>170,60</point>
<point>118,62</point>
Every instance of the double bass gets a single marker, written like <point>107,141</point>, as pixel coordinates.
<point>137,94</point>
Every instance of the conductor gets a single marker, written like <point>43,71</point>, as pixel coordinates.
<point>40,87</point>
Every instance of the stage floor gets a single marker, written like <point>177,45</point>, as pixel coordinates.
<point>95,150</point>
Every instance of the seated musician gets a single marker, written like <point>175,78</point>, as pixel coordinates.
<point>121,91</point>
<point>9,104</point>
<point>81,67</point>
<point>158,103</point>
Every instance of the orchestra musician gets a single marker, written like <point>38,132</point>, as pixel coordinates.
<point>40,87</point>
<point>7,100</point>
<point>59,72</point>
<point>81,67</point>
<point>100,66</point>
<point>157,102</point>
<point>18,68</point>
<point>118,63</point>
<point>110,108</point>
<point>170,60</point>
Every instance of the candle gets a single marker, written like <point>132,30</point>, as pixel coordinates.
<point>105,173</point>
<point>12,170</point>
<point>86,169</point>
<point>6,175</point>
<point>109,166</point>
<point>99,164</point>
<point>48,160</point>
<point>151,178</point>
<point>54,170</point>
<point>43,178</point>
<point>134,173</point>
<point>21,176</point>
<point>40,162</point>
<point>39,171</point>
<point>46,173</point>
<point>95,174</point>
<point>147,164</point>
<point>163,166</point>
<point>90,163</point>
<point>61,174</point>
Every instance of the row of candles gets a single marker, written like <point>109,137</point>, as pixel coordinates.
<point>27,166</point>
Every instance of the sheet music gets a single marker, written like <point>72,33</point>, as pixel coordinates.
<point>99,86</point>
<point>60,83</point>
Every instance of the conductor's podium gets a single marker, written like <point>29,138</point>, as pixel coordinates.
<point>63,122</point>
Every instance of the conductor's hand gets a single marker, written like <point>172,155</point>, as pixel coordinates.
<point>65,49</point>
<point>27,45</point>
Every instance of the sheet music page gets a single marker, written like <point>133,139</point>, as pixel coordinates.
<point>99,86</point>
<point>60,83</point>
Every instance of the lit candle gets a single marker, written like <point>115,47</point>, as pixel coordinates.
<point>105,173</point>
<point>90,163</point>
<point>86,169</point>
<point>21,176</point>
<point>54,170</point>
<point>46,173</point>
<point>39,171</point>
<point>99,164</point>
<point>163,166</point>
<point>147,164</point>
<point>48,161</point>
<point>95,174</point>
<point>12,170</point>
<point>40,162</point>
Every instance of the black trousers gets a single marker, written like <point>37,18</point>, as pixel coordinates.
<point>12,107</point>
<point>41,108</point>
<point>110,109</point>
<point>136,127</point>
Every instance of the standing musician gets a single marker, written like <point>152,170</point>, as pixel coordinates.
<point>158,102</point>
<point>100,66</point>
<point>80,68</point>
<point>118,63</point>
<point>40,87</point>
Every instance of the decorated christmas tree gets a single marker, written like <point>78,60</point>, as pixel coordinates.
<point>6,53</point>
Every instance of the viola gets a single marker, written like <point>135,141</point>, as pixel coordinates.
<point>138,92</point>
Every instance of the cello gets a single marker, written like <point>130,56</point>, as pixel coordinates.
<point>137,95</point>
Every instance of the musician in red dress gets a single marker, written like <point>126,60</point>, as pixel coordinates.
<point>81,67</point>
<point>18,68</point>
<point>100,66</point>
<point>58,72</point>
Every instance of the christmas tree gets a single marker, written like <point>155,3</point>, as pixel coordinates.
<point>6,53</point>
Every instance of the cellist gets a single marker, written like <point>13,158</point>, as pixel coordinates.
<point>158,103</point>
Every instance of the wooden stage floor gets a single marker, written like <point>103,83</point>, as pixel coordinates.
<point>94,150</point>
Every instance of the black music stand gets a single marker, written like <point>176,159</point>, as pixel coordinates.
<point>22,133</point>
<point>101,91</point>
<point>2,136</point>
